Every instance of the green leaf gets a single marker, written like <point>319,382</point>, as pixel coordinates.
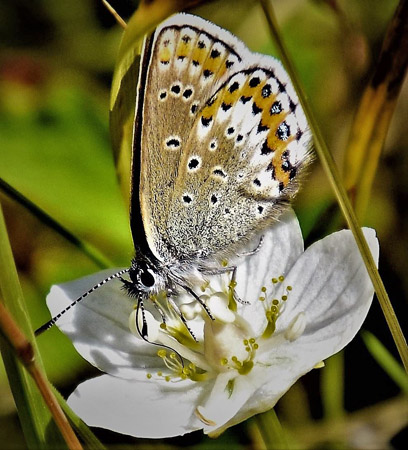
<point>386,360</point>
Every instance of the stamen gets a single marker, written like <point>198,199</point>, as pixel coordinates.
<point>274,308</point>
<point>177,370</point>
<point>296,327</point>
<point>232,303</point>
<point>203,419</point>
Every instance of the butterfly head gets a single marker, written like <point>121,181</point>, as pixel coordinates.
<point>145,277</point>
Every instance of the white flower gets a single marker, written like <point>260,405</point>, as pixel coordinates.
<point>303,306</point>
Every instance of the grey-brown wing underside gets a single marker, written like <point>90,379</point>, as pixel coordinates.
<point>222,140</point>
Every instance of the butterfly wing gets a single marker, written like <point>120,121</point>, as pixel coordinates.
<point>222,140</point>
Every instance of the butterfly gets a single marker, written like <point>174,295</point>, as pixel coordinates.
<point>220,144</point>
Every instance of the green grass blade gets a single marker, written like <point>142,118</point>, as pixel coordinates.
<point>333,387</point>
<point>38,427</point>
<point>386,360</point>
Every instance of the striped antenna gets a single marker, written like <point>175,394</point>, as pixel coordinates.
<point>52,322</point>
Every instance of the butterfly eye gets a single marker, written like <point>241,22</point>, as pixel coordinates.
<point>146,278</point>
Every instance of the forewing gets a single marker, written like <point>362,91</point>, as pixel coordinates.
<point>224,141</point>
<point>184,63</point>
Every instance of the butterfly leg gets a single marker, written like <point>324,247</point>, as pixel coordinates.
<point>232,285</point>
<point>144,334</point>
<point>233,269</point>
<point>176,309</point>
<point>255,250</point>
<point>160,311</point>
<point>227,269</point>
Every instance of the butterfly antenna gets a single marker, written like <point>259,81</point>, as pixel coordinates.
<point>52,322</point>
<point>143,332</point>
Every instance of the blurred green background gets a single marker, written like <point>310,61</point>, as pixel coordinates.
<point>56,64</point>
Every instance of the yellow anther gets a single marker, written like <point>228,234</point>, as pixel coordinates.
<point>275,302</point>
<point>246,341</point>
<point>167,378</point>
<point>163,326</point>
<point>281,278</point>
<point>263,289</point>
<point>173,355</point>
<point>262,299</point>
<point>161,353</point>
<point>274,280</point>
<point>252,341</point>
<point>284,298</point>
<point>289,288</point>
<point>159,373</point>
<point>149,375</point>
<point>224,361</point>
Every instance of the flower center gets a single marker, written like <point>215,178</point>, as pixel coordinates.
<point>198,347</point>
<point>227,347</point>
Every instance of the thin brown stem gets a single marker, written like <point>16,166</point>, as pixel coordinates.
<point>117,17</point>
<point>24,351</point>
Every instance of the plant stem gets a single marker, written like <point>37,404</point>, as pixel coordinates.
<point>332,173</point>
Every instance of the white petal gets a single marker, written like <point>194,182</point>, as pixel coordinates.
<point>228,396</point>
<point>332,288</point>
<point>98,325</point>
<point>281,247</point>
<point>149,408</point>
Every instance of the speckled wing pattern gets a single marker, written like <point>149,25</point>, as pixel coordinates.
<point>223,140</point>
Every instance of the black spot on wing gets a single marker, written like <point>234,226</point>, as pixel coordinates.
<point>214,54</point>
<point>253,82</point>
<point>206,121</point>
